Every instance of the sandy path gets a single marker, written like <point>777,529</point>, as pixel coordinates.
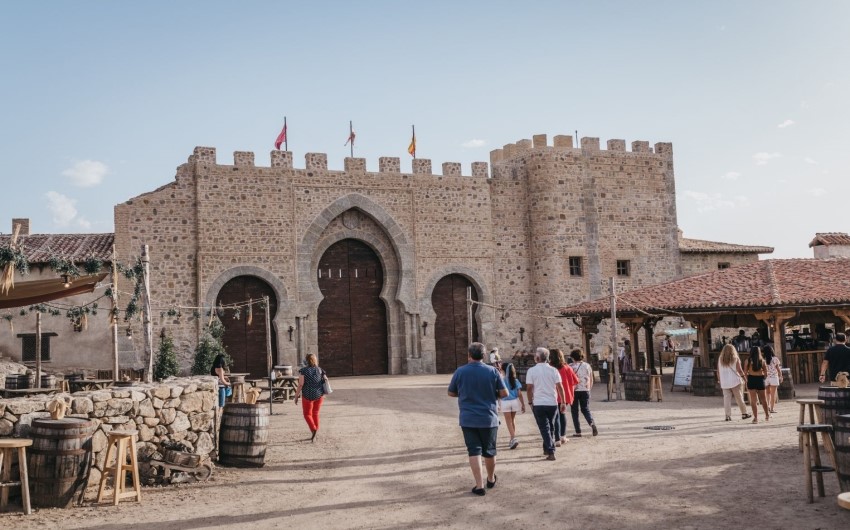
<point>390,455</point>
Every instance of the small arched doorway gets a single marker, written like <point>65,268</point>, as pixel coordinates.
<point>246,343</point>
<point>451,327</point>
<point>352,318</point>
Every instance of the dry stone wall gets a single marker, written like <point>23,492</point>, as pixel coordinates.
<point>180,410</point>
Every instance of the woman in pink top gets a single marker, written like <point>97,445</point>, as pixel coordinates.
<point>569,380</point>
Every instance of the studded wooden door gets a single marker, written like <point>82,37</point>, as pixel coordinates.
<point>352,317</point>
<point>244,342</point>
<point>451,327</point>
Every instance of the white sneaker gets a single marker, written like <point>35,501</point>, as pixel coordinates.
<point>514,443</point>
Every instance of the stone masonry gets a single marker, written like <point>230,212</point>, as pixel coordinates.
<point>511,232</point>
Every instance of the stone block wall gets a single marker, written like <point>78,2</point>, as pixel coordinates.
<point>180,410</point>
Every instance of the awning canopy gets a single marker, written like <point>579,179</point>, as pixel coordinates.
<point>38,291</point>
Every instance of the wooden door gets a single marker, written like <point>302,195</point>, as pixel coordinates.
<point>451,336</point>
<point>246,343</point>
<point>352,317</point>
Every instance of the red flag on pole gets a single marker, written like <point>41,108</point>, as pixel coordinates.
<point>350,139</point>
<point>412,147</point>
<point>281,138</point>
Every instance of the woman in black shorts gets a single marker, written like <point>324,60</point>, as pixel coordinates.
<point>756,370</point>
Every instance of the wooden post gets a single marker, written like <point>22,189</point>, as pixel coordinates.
<point>268,336</point>
<point>612,285</point>
<point>146,320</point>
<point>37,350</point>
<point>648,328</point>
<point>776,324</point>
<point>115,320</point>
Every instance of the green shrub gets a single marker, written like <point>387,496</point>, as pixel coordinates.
<point>208,348</point>
<point>166,360</point>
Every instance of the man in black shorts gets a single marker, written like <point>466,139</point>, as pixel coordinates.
<point>478,388</point>
<point>836,359</point>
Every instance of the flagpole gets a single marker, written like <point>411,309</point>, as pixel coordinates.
<point>286,137</point>
<point>413,128</point>
<point>351,141</point>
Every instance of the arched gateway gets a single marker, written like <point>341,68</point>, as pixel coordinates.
<point>451,327</point>
<point>244,342</point>
<point>352,318</point>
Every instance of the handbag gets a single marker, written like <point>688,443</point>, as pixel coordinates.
<point>326,385</point>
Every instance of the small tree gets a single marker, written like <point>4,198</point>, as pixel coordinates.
<point>209,348</point>
<point>166,360</point>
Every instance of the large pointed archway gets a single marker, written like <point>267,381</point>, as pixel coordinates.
<point>245,339</point>
<point>352,318</point>
<point>452,322</point>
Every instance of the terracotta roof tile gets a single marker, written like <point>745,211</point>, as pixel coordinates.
<point>830,238</point>
<point>767,283</point>
<point>39,248</point>
<point>694,246</point>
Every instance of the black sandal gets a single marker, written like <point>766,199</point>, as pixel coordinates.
<point>491,485</point>
<point>479,491</point>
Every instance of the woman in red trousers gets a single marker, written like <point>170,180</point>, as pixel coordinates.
<point>310,388</point>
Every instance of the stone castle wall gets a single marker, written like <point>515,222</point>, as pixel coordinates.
<point>510,233</point>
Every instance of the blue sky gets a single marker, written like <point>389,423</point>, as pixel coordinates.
<point>101,101</point>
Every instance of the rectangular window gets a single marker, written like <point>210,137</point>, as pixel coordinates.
<point>723,265</point>
<point>28,346</point>
<point>624,267</point>
<point>575,266</point>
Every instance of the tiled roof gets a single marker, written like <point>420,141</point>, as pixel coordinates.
<point>830,238</point>
<point>39,248</point>
<point>767,283</point>
<point>694,246</point>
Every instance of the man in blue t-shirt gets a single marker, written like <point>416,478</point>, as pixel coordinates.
<point>478,387</point>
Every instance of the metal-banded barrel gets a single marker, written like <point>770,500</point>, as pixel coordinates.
<point>59,460</point>
<point>243,435</point>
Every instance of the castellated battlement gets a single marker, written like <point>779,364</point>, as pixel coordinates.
<point>319,162</point>
<point>587,145</point>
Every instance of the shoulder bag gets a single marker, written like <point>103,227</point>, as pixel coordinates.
<point>326,385</point>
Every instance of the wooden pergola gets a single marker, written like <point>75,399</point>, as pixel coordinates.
<point>768,294</point>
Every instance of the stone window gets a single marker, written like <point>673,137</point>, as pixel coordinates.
<point>624,267</point>
<point>575,266</point>
<point>723,265</point>
<point>28,346</point>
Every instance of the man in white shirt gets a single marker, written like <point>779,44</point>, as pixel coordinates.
<point>544,388</point>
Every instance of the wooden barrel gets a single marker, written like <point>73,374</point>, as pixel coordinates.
<point>48,381</point>
<point>836,401</point>
<point>636,384</point>
<point>59,460</point>
<point>17,382</point>
<point>842,450</point>
<point>703,381</point>
<point>243,436</point>
<point>786,387</point>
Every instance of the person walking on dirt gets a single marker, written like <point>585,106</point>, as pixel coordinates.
<point>836,359</point>
<point>311,388</point>
<point>546,397</point>
<point>731,377</point>
<point>478,387</point>
<point>774,376</point>
<point>513,402</point>
<point>756,370</point>
<point>584,373</point>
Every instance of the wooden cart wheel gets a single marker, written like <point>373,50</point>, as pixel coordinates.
<point>203,473</point>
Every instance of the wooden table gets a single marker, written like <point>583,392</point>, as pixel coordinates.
<point>24,392</point>
<point>90,384</point>
<point>282,387</point>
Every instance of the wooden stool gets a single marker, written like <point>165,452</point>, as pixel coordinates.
<point>844,500</point>
<point>124,442</point>
<point>8,446</point>
<point>238,392</point>
<point>814,417</point>
<point>655,388</point>
<point>810,448</point>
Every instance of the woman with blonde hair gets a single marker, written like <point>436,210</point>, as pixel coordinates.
<point>311,388</point>
<point>756,370</point>
<point>731,377</point>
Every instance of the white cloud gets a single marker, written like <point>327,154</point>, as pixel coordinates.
<point>786,123</point>
<point>811,161</point>
<point>83,223</point>
<point>763,158</point>
<point>816,192</point>
<point>804,104</point>
<point>63,208</point>
<point>474,143</point>
<point>730,175</point>
<point>709,202</point>
<point>86,173</point>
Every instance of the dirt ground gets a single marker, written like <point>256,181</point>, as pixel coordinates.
<point>390,455</point>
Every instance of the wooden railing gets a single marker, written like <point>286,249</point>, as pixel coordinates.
<point>805,365</point>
